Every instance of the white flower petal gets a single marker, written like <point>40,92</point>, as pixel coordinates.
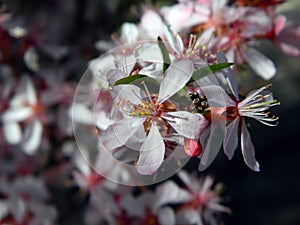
<point>175,78</point>
<point>185,14</point>
<point>174,40</point>
<point>103,121</point>
<point>189,125</point>
<point>253,25</point>
<point>152,23</point>
<point>33,142</point>
<point>289,49</point>
<point>81,114</point>
<point>69,148</point>
<point>17,207</point>
<point>206,184</point>
<point>4,210</point>
<point>43,214</point>
<point>228,73</point>
<point>166,215</point>
<point>104,162</point>
<point>211,144</point>
<point>198,17</point>
<point>132,206</point>
<point>248,149</point>
<point>127,92</point>
<point>188,216</point>
<point>30,91</point>
<point>12,133</point>
<point>263,66</point>
<point>100,66</point>
<point>118,133</point>
<point>151,153</point>
<point>185,178</point>
<point>218,5</point>
<point>170,193</point>
<point>129,33</point>
<point>231,138</point>
<point>80,159</point>
<point>123,155</point>
<point>217,96</point>
<point>148,52</point>
<point>217,207</point>
<point>153,70</point>
<point>206,36</point>
<point>17,114</point>
<point>137,139</point>
<point>130,93</point>
<point>125,62</point>
<point>31,59</point>
<point>113,75</point>
<point>230,54</point>
<point>31,186</point>
<point>7,77</point>
<point>146,200</point>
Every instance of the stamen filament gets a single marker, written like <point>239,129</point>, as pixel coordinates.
<point>260,104</point>
<point>251,96</point>
<point>148,93</point>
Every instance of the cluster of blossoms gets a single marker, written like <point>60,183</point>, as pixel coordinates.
<point>43,175</point>
<point>23,201</point>
<point>168,91</point>
<point>149,124</point>
<point>196,201</point>
<point>193,98</point>
<point>233,27</point>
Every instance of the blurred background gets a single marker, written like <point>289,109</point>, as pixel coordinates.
<point>67,32</point>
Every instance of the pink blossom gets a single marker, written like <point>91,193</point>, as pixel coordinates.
<point>185,14</point>
<point>24,107</point>
<point>152,208</point>
<point>285,36</point>
<point>255,105</point>
<point>205,200</point>
<point>25,202</point>
<point>152,23</point>
<point>148,121</point>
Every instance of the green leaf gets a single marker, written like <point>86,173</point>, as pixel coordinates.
<point>165,54</point>
<point>200,73</point>
<point>136,80</point>
<point>129,79</point>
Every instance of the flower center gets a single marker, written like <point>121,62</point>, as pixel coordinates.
<point>144,108</point>
<point>150,108</point>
